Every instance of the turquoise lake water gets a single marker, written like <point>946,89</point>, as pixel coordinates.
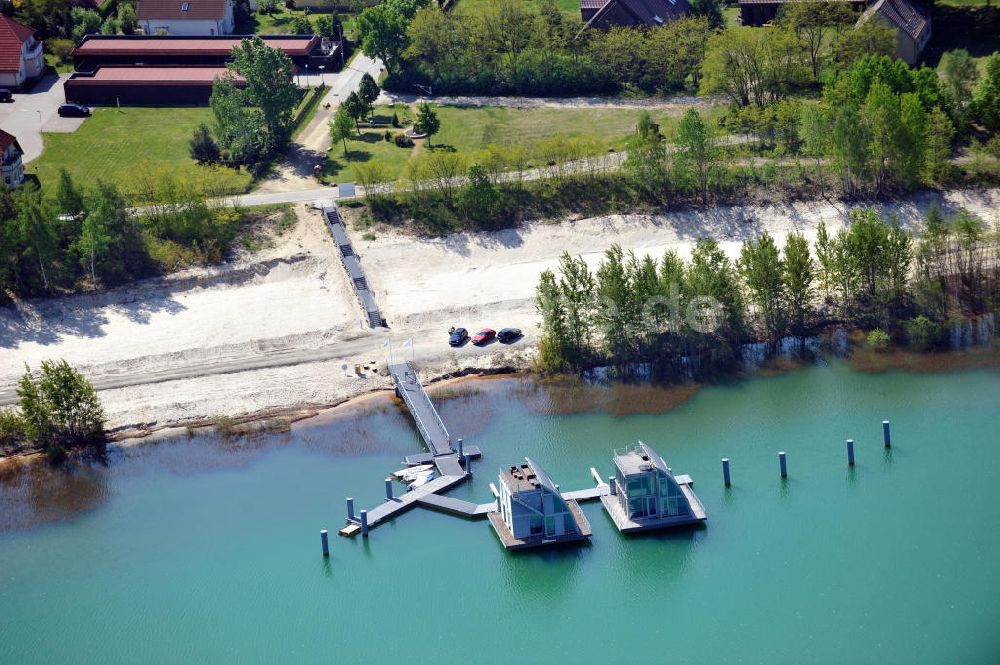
<point>206,551</point>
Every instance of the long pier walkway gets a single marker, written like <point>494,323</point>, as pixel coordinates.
<point>429,423</point>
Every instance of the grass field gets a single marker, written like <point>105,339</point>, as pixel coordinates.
<point>116,145</point>
<point>567,6</point>
<point>467,130</point>
<point>279,23</point>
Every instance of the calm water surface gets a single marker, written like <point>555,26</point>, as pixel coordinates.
<point>208,551</point>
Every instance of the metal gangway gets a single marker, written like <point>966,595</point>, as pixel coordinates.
<point>351,263</point>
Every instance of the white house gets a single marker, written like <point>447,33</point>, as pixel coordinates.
<point>21,59</point>
<point>186,17</point>
<point>13,168</point>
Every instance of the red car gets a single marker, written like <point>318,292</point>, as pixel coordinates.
<point>484,336</point>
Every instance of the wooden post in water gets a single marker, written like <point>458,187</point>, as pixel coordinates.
<point>886,441</point>
<point>364,523</point>
<point>850,452</point>
<point>350,508</point>
<point>324,538</point>
<point>388,489</point>
<point>611,486</point>
<point>468,465</point>
<point>461,450</point>
<point>784,466</point>
<point>725,471</point>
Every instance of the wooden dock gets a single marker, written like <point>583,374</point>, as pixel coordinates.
<point>442,455</point>
<point>429,423</point>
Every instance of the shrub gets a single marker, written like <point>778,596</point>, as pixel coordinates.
<point>878,339</point>
<point>12,433</point>
<point>395,119</point>
<point>59,408</point>
<point>403,141</point>
<point>387,136</point>
<point>60,48</point>
<point>922,333</point>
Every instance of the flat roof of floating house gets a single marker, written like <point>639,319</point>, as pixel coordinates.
<point>104,45</point>
<point>152,76</point>
<point>526,477</point>
<point>640,459</point>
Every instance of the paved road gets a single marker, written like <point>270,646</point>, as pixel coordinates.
<point>33,112</point>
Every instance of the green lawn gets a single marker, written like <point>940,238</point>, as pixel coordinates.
<point>468,129</point>
<point>115,145</point>
<point>732,16</point>
<point>567,6</point>
<point>279,23</point>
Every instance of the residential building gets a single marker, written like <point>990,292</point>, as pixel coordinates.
<point>532,512</point>
<point>186,17</point>
<point>912,26</point>
<point>13,167</point>
<point>21,59</point>
<point>760,12</point>
<point>604,14</point>
<point>644,493</point>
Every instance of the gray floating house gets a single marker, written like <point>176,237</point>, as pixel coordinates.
<point>645,494</point>
<point>532,512</point>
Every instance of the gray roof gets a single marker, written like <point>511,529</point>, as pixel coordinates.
<point>526,478</point>
<point>650,12</point>
<point>638,460</point>
<point>901,14</point>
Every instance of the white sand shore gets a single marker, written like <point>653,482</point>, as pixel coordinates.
<point>280,329</point>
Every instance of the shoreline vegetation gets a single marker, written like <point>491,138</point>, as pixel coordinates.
<point>691,319</point>
<point>454,384</point>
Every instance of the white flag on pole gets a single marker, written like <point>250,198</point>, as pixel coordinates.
<point>385,344</point>
<point>408,342</point>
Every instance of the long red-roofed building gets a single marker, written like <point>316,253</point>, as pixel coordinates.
<point>170,70</point>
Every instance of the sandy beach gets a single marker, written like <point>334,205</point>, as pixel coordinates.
<point>280,329</point>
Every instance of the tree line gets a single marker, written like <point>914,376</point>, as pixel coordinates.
<point>694,315</point>
<point>76,237</point>
<point>506,48</point>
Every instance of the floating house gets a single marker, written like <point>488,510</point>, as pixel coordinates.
<point>532,512</point>
<point>644,494</point>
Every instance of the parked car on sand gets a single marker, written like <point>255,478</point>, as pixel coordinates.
<point>484,336</point>
<point>508,335</point>
<point>457,336</point>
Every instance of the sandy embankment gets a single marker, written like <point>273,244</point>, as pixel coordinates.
<point>279,330</point>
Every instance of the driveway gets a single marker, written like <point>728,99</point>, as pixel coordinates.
<point>35,111</point>
<point>312,143</point>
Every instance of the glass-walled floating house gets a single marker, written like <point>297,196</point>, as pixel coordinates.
<point>645,494</point>
<point>532,512</point>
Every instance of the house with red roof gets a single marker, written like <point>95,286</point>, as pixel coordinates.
<point>10,156</point>
<point>186,17</point>
<point>21,59</point>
